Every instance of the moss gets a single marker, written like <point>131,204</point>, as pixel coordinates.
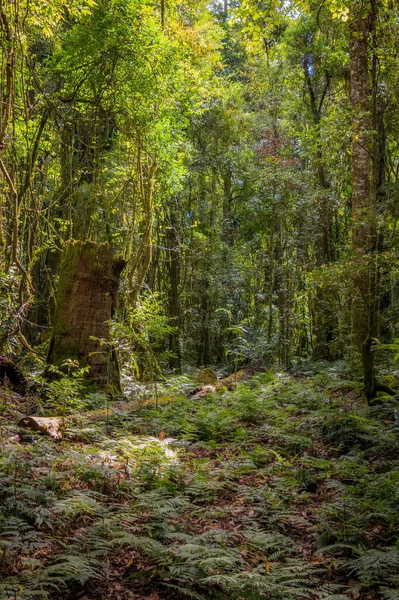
<point>75,252</point>
<point>390,381</point>
<point>67,271</point>
<point>206,376</point>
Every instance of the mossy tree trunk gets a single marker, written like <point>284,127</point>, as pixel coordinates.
<point>364,322</point>
<point>85,303</point>
<point>366,276</point>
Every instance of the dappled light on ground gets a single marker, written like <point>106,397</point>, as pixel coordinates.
<point>283,488</point>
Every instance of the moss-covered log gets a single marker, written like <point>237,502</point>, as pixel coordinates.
<point>85,303</point>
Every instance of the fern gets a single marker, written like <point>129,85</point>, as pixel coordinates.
<point>268,541</point>
<point>68,568</point>
<point>335,597</point>
<point>183,591</point>
<point>78,503</point>
<point>23,589</point>
<point>390,594</point>
<point>227,516</point>
<point>376,566</point>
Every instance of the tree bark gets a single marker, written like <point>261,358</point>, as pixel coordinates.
<point>324,317</point>
<point>364,189</point>
<point>173,242</point>
<point>85,303</point>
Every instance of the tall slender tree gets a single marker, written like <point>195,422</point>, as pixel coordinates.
<point>366,279</point>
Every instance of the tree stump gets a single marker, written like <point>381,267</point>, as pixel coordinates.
<point>85,303</point>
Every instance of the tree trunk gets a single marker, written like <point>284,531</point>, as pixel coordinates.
<point>173,244</point>
<point>281,284</point>
<point>364,190</point>
<point>227,228</point>
<point>324,317</point>
<point>85,303</point>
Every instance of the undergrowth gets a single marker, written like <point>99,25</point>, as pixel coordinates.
<point>284,488</point>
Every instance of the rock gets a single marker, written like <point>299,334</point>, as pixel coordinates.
<point>47,425</point>
<point>206,376</point>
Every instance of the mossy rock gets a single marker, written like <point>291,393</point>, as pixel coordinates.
<point>206,376</point>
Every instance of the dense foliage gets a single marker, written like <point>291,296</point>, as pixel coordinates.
<point>216,146</point>
<point>233,167</point>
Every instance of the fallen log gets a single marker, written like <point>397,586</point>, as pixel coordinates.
<point>202,391</point>
<point>228,382</point>
<point>46,425</point>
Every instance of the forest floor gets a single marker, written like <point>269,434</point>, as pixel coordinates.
<point>285,487</point>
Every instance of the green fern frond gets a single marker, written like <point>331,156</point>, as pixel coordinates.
<point>69,568</point>
<point>390,594</point>
<point>184,591</point>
